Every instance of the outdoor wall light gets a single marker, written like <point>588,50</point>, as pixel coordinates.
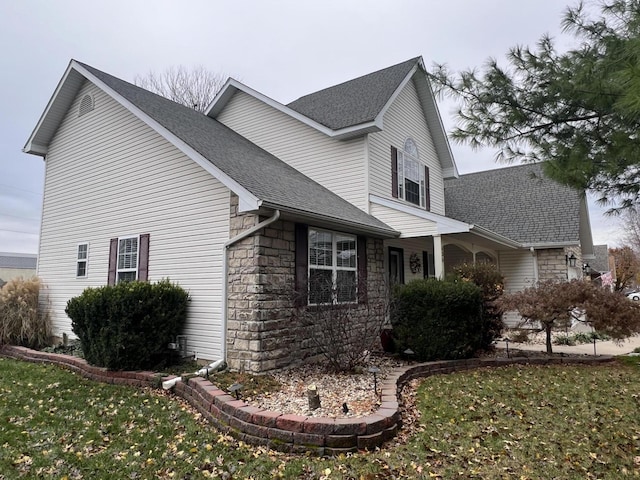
<point>570,260</point>
<point>586,268</point>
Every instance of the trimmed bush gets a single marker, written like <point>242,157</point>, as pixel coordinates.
<point>22,322</point>
<point>128,326</point>
<point>438,320</point>
<point>491,282</point>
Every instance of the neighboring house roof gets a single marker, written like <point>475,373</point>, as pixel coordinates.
<point>519,203</point>
<point>601,261</point>
<point>259,178</point>
<point>26,261</point>
<point>357,107</point>
<point>354,102</point>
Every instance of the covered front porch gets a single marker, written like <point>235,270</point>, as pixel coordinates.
<point>435,256</point>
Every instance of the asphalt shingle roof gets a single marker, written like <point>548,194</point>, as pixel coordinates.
<point>19,261</point>
<point>519,203</point>
<point>264,175</point>
<point>601,262</point>
<point>356,101</point>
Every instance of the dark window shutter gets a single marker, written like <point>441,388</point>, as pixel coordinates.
<point>394,172</point>
<point>113,260</point>
<point>302,263</point>
<point>425,265</point>
<point>143,258</point>
<point>427,189</point>
<point>362,269</point>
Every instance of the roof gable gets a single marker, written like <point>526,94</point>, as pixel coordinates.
<point>519,203</point>
<point>357,107</point>
<point>256,176</point>
<point>356,101</point>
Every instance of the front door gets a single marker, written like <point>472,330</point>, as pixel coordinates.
<point>396,265</point>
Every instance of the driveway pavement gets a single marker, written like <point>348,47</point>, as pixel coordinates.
<point>602,347</point>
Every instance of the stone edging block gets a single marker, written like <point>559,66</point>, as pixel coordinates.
<point>287,432</point>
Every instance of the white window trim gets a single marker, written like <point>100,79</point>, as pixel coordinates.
<point>125,270</point>
<point>421,177</point>
<point>334,268</point>
<point>85,260</point>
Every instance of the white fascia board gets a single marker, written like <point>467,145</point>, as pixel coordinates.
<point>494,237</point>
<point>392,98</point>
<point>221,98</point>
<point>35,149</point>
<point>232,86</point>
<point>451,172</point>
<point>41,150</point>
<point>584,230</point>
<point>437,129</point>
<point>248,201</point>
<point>332,222</point>
<point>445,225</point>
<point>545,245</point>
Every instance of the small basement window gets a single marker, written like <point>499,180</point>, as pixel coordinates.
<point>86,105</point>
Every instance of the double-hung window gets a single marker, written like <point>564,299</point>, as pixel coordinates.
<point>411,176</point>
<point>128,259</point>
<point>82,259</point>
<point>127,270</point>
<point>333,273</point>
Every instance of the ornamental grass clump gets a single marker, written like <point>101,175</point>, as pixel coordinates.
<point>129,326</point>
<point>22,322</point>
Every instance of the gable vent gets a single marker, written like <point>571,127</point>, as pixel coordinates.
<point>86,105</point>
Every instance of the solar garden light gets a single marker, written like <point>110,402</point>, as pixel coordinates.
<point>235,390</point>
<point>408,353</point>
<point>375,371</point>
<point>506,341</point>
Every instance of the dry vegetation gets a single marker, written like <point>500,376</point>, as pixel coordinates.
<point>21,321</point>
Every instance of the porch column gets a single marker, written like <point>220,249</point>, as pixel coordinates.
<point>438,257</point>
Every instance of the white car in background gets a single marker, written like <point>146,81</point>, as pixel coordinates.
<point>635,296</point>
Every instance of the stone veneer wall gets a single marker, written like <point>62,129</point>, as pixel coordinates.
<point>552,262</point>
<point>264,329</point>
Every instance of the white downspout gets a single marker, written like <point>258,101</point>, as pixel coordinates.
<point>225,269</point>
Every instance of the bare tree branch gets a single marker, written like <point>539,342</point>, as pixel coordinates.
<point>194,88</point>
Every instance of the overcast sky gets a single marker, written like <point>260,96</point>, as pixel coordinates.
<point>283,49</point>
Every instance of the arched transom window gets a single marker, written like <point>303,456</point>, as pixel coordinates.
<point>413,176</point>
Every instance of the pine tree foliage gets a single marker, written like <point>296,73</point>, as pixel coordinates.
<point>578,111</point>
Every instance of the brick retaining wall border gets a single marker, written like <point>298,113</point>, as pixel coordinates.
<point>285,432</point>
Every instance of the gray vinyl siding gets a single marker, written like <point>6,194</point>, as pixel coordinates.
<point>404,118</point>
<point>338,165</point>
<point>108,175</point>
<point>518,268</point>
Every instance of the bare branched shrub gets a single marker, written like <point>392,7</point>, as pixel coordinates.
<point>22,322</point>
<point>346,333</point>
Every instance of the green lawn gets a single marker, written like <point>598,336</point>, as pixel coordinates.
<point>515,422</point>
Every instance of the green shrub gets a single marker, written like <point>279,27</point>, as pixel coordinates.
<point>491,282</point>
<point>568,340</point>
<point>22,322</point>
<point>438,320</point>
<point>589,337</point>
<point>128,326</point>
